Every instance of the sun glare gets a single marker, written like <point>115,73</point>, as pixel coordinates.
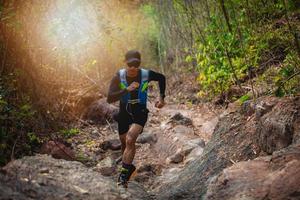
<point>83,38</point>
<point>72,26</point>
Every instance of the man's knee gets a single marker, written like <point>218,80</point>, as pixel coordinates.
<point>123,141</point>
<point>130,141</point>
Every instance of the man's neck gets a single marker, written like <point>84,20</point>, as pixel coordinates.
<point>133,76</point>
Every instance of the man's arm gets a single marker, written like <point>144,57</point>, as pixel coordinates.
<point>114,92</point>
<point>155,76</point>
<point>162,87</point>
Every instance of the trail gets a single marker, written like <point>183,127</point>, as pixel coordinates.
<point>182,154</point>
<point>172,137</point>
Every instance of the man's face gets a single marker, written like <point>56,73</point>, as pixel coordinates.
<point>132,70</point>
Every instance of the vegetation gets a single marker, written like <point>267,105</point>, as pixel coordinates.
<point>226,40</point>
<point>69,132</point>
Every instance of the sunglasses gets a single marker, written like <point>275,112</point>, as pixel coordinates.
<point>135,65</point>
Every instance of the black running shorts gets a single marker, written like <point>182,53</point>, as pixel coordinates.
<point>125,119</point>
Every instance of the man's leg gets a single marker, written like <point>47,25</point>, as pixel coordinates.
<point>123,141</point>
<point>123,127</point>
<point>128,168</point>
<point>123,146</point>
<point>131,137</point>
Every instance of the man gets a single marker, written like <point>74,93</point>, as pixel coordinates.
<point>130,87</point>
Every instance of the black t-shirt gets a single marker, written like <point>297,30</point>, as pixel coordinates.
<point>115,93</point>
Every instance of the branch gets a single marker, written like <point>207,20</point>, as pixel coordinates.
<point>289,78</point>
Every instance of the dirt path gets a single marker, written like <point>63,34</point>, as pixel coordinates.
<point>172,137</point>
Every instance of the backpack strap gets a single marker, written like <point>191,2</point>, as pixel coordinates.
<point>123,84</point>
<point>143,86</point>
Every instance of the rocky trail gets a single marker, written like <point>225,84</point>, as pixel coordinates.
<point>187,151</point>
<point>172,137</point>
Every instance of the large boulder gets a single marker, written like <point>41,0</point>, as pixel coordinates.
<point>113,144</point>
<point>43,177</point>
<point>100,112</point>
<point>233,140</point>
<point>276,128</point>
<point>239,136</point>
<point>271,177</point>
<point>58,150</point>
<point>178,118</point>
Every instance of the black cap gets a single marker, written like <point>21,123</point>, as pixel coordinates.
<point>132,56</point>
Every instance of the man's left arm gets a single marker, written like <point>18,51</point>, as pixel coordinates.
<point>155,76</point>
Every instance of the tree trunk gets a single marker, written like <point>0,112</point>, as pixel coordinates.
<point>222,4</point>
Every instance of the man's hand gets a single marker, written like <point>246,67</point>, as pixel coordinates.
<point>133,86</point>
<point>160,103</point>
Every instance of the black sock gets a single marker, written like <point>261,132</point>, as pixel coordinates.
<point>126,166</point>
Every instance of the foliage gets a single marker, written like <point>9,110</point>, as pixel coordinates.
<point>237,37</point>
<point>81,157</point>
<point>67,133</point>
<point>33,139</point>
<point>244,98</point>
<point>219,59</point>
<point>17,116</point>
<point>288,77</point>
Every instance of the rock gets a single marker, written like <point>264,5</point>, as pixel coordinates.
<point>154,168</point>
<point>273,177</point>
<point>195,153</point>
<point>296,136</point>
<point>147,138</point>
<point>176,158</point>
<point>95,133</point>
<point>113,144</point>
<point>185,150</point>
<point>276,128</point>
<point>44,171</point>
<point>99,112</point>
<point>178,118</point>
<point>248,108</point>
<point>208,126</point>
<point>191,182</point>
<point>264,107</point>
<point>168,175</point>
<point>182,132</point>
<point>69,180</point>
<point>106,167</point>
<point>146,172</point>
<point>81,190</point>
<point>57,150</point>
<point>196,142</point>
<point>235,139</point>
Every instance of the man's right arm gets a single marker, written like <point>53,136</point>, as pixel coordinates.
<point>114,92</point>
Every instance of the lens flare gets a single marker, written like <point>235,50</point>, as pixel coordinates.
<point>72,26</point>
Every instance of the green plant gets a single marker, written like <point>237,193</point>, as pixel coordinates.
<point>287,80</point>
<point>33,138</point>
<point>220,61</point>
<point>82,158</point>
<point>69,132</point>
<point>244,98</point>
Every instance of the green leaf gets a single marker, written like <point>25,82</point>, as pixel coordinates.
<point>244,98</point>
<point>279,92</point>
